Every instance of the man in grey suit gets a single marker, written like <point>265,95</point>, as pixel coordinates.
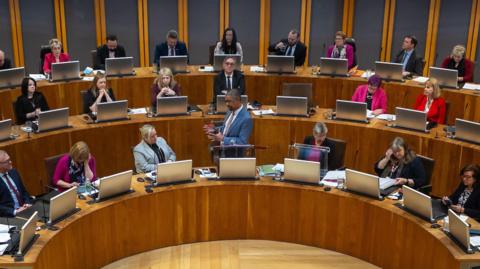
<point>151,151</point>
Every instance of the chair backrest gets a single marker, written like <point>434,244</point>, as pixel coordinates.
<point>428,165</point>
<point>338,154</point>
<point>15,117</point>
<point>44,49</point>
<point>95,62</point>
<point>83,95</point>
<point>211,52</point>
<point>50,165</point>
<point>351,41</point>
<point>447,110</point>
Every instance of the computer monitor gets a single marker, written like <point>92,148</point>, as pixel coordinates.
<point>280,64</point>
<point>218,61</point>
<point>301,171</point>
<point>110,111</point>
<point>292,106</point>
<point>53,119</point>
<point>459,230</point>
<point>422,205</point>
<point>237,168</point>
<point>63,205</point>
<point>410,119</point>
<point>467,131</point>
<point>11,78</point>
<point>222,107</point>
<point>27,234</point>
<point>447,78</point>
<point>118,67</point>
<point>114,185</point>
<point>389,71</point>
<point>5,129</point>
<point>174,172</point>
<point>178,64</point>
<point>333,67</point>
<point>172,106</point>
<point>362,183</point>
<point>65,71</point>
<point>350,110</point>
<point>299,90</point>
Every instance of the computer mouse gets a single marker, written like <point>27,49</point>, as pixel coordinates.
<point>81,197</point>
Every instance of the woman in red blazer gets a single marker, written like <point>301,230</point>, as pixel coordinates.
<point>56,56</point>
<point>431,102</point>
<point>457,61</point>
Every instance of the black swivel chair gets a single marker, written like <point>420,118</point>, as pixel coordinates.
<point>351,41</point>
<point>211,53</point>
<point>50,165</point>
<point>95,62</point>
<point>83,95</point>
<point>428,165</point>
<point>338,154</point>
<point>44,49</point>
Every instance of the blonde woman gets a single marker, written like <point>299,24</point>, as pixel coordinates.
<point>457,61</point>
<point>98,93</point>
<point>151,151</point>
<point>431,102</point>
<point>164,85</point>
<point>56,56</point>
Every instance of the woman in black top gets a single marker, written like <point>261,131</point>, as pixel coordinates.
<point>402,164</point>
<point>30,103</point>
<point>98,93</point>
<point>466,198</point>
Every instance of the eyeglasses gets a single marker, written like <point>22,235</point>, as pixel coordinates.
<point>229,63</point>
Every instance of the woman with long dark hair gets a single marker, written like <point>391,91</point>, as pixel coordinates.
<point>229,43</point>
<point>30,103</point>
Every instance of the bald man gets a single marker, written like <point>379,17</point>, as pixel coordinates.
<point>14,198</point>
<point>4,62</point>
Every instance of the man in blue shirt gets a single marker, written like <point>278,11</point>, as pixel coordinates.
<point>412,64</point>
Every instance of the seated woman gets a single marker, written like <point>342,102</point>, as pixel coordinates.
<point>402,164</point>
<point>373,95</point>
<point>457,61</point>
<point>151,151</point>
<point>320,139</point>
<point>56,56</point>
<point>164,86</point>
<point>466,198</point>
<point>30,103</point>
<point>98,93</point>
<point>341,50</point>
<point>75,168</point>
<point>229,44</point>
<point>431,102</point>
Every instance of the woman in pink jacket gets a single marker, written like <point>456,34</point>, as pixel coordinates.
<point>56,56</point>
<point>373,95</point>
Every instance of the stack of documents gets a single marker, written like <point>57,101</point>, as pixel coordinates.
<point>266,170</point>
<point>38,77</point>
<point>263,112</point>
<point>257,68</point>
<point>386,182</point>
<point>332,177</point>
<point>420,79</point>
<point>471,86</point>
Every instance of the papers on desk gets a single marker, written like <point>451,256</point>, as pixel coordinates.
<point>257,68</point>
<point>471,86</point>
<point>475,241</point>
<point>331,178</point>
<point>3,247</point>
<point>263,112</point>
<point>420,79</point>
<point>386,182</point>
<point>207,68</point>
<point>88,78</point>
<point>38,77</point>
<point>370,114</point>
<point>266,170</point>
<point>4,237</point>
<point>367,74</point>
<point>138,111</point>
<point>390,117</point>
<point>279,167</point>
<point>5,228</point>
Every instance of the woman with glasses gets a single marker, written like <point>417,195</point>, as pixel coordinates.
<point>466,198</point>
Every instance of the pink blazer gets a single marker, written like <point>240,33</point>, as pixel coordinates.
<point>49,59</point>
<point>379,97</point>
<point>349,54</point>
<point>61,170</point>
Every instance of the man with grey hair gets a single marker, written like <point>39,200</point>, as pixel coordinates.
<point>291,46</point>
<point>4,62</point>
<point>171,47</point>
<point>319,138</point>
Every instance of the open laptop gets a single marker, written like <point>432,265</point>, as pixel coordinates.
<point>114,185</point>
<point>301,171</point>
<point>299,90</point>
<point>110,111</point>
<point>280,64</point>
<point>11,78</point>
<point>27,235</point>
<point>62,206</point>
<point>65,71</point>
<point>410,119</point>
<point>172,106</point>
<point>237,168</point>
<point>459,230</point>
<point>169,173</point>
<point>5,129</point>
<point>218,61</point>
<point>292,106</point>
<point>350,110</point>
<point>222,107</point>
<point>389,71</point>
<point>422,205</point>
<point>333,67</point>
<point>363,183</point>
<point>178,64</point>
<point>447,78</point>
<point>53,119</point>
<point>118,67</point>
<point>467,131</point>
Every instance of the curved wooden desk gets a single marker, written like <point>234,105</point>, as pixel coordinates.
<point>372,230</point>
<point>260,86</point>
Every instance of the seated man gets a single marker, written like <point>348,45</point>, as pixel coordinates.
<point>290,47</point>
<point>237,126</point>
<point>171,47</point>
<point>14,197</point>
<point>4,62</point>
<point>110,50</point>
<point>412,63</point>
<point>228,79</point>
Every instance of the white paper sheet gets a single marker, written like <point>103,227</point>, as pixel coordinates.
<point>471,86</point>
<point>420,79</point>
<point>207,68</point>
<point>38,77</point>
<point>386,117</point>
<point>257,68</point>
<point>263,112</point>
<point>475,240</point>
<point>138,111</point>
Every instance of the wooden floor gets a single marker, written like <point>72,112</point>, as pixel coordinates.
<point>251,254</point>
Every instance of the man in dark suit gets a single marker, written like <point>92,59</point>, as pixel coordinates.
<point>14,197</point>
<point>171,47</point>
<point>290,46</point>
<point>228,79</point>
<point>412,64</point>
<point>110,50</point>
<point>4,62</point>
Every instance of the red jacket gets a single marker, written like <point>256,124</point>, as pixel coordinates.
<point>437,110</point>
<point>49,59</point>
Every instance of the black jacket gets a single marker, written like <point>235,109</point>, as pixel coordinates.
<point>7,205</point>
<point>220,83</point>
<point>23,106</point>
<point>414,64</point>
<point>412,170</point>
<point>299,54</point>
<point>162,50</point>
<point>6,64</point>
<point>90,99</point>
<point>103,53</point>
<point>472,206</point>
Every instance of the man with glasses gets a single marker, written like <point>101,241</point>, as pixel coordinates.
<point>228,79</point>
<point>14,198</point>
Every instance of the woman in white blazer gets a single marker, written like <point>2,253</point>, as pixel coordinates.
<point>151,151</point>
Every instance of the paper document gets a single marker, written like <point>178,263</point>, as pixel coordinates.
<point>38,77</point>
<point>367,74</point>
<point>370,114</point>
<point>335,174</point>
<point>279,167</point>
<point>420,79</point>
<point>475,241</point>
<point>386,117</point>
<point>5,228</point>
<point>88,78</point>
<point>263,112</point>
<point>206,69</point>
<point>4,237</point>
<point>257,68</point>
<point>471,86</point>
<point>386,182</point>
<point>3,247</point>
<point>138,111</point>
